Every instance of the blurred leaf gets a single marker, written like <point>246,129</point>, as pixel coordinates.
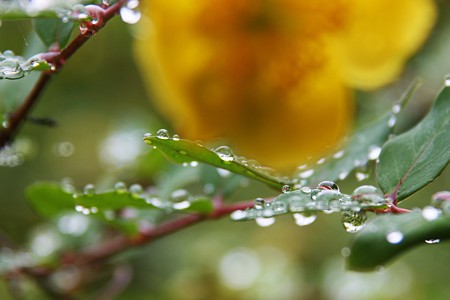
<point>185,151</point>
<point>49,199</point>
<point>53,30</point>
<point>410,161</point>
<point>310,202</point>
<point>371,247</point>
<point>362,146</point>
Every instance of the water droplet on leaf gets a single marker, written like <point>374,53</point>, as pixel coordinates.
<point>353,221</point>
<point>120,187</point>
<point>89,189</point>
<point>433,241</point>
<point>259,203</point>
<point>265,222</point>
<point>374,152</point>
<point>304,219</point>
<point>394,237</point>
<point>392,121</point>
<point>328,185</point>
<point>130,16</point>
<point>285,189</point>
<point>224,153</point>
<point>430,213</point>
<point>162,134</point>
<point>238,215</point>
<point>306,174</point>
<point>136,189</point>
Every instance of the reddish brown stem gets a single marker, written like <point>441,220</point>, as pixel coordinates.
<point>58,60</point>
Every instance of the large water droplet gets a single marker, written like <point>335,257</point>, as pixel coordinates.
<point>328,185</point>
<point>120,187</point>
<point>181,205</point>
<point>279,207</point>
<point>304,219</point>
<point>394,237</point>
<point>136,189</point>
<point>430,213</point>
<point>265,222</point>
<point>130,16</point>
<point>89,189</point>
<point>176,137</point>
<point>162,134</point>
<point>224,153</point>
<point>259,203</point>
<point>353,221</point>
<point>238,215</point>
<point>286,188</point>
<point>179,195</point>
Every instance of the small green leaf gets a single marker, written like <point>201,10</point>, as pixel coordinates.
<point>390,235</point>
<point>49,199</point>
<point>412,160</point>
<point>184,152</point>
<point>364,145</point>
<point>53,30</point>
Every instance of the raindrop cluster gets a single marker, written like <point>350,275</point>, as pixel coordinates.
<point>15,67</point>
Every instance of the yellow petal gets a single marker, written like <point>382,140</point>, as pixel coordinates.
<point>379,37</point>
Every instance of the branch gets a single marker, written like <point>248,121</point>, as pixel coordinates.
<point>57,59</point>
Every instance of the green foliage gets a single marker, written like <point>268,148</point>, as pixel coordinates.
<point>412,160</point>
<point>183,151</point>
<point>389,235</point>
<point>53,30</point>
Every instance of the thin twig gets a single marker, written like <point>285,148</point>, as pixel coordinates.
<point>57,59</point>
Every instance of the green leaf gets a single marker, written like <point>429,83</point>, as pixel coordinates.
<point>184,152</point>
<point>364,145</point>
<point>49,199</point>
<point>412,160</point>
<point>390,235</point>
<point>53,30</point>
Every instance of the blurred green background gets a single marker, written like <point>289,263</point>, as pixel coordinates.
<point>103,110</point>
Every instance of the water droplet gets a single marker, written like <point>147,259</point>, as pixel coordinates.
<point>306,174</point>
<point>89,189</point>
<point>94,210</point>
<point>396,108</point>
<point>265,222</point>
<point>179,195</point>
<point>306,189</point>
<point>136,189</point>
<point>147,135</point>
<point>162,134</point>
<point>374,152</point>
<point>447,81</point>
<point>440,198</point>
<point>327,195</point>
<point>394,237</point>
<point>79,208</point>
<point>120,187</point>
<point>5,124</point>
<point>343,175</point>
<point>86,211</point>
<point>176,137</point>
<point>259,203</point>
<point>328,185</point>
<point>353,221</point>
<point>224,153</point>
<point>304,219</point>
<point>392,121</point>
<point>193,164</point>
<point>320,161</point>
<point>345,252</point>
<point>286,188</point>
<point>368,194</point>
<point>238,215</point>
<point>339,154</point>
<point>279,207</point>
<point>181,205</point>
<point>130,16</point>
<point>433,241</point>
<point>430,213</point>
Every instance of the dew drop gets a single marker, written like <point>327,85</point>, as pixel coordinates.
<point>89,189</point>
<point>430,213</point>
<point>368,194</point>
<point>179,195</point>
<point>265,222</point>
<point>304,219</point>
<point>440,198</point>
<point>120,187</point>
<point>320,161</point>
<point>181,205</point>
<point>162,134</point>
<point>447,81</point>
<point>79,208</point>
<point>353,221</point>
<point>343,175</point>
<point>136,189</point>
<point>433,241</point>
<point>130,16</point>
<point>193,164</point>
<point>360,176</point>
<point>345,252</point>
<point>306,189</point>
<point>224,153</point>
<point>374,152</point>
<point>94,210</point>
<point>396,108</point>
<point>279,207</point>
<point>147,135</point>
<point>328,185</point>
<point>259,203</point>
<point>394,237</point>
<point>238,215</point>
<point>176,137</point>
<point>286,188</point>
<point>392,121</point>
<point>132,4</point>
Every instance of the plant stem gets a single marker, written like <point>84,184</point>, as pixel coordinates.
<point>58,60</point>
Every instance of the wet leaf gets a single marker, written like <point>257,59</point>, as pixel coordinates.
<point>53,30</point>
<point>359,148</point>
<point>390,235</point>
<point>185,151</point>
<point>412,160</point>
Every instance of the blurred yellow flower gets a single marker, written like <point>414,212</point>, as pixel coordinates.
<point>274,77</point>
